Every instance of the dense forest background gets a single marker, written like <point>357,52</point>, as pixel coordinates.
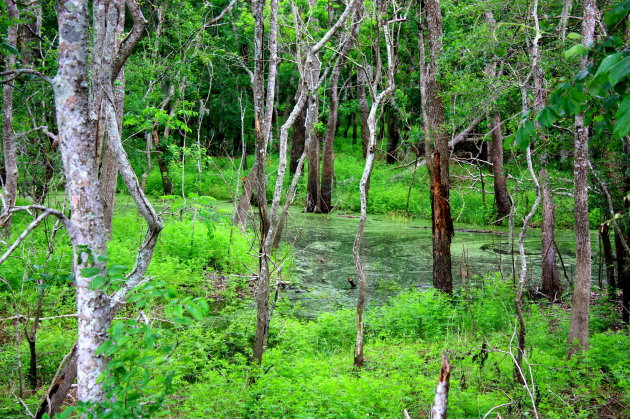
<point>158,156</point>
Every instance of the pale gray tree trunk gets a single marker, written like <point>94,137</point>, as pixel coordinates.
<point>78,152</point>
<point>578,329</point>
<point>8,136</point>
<point>440,402</point>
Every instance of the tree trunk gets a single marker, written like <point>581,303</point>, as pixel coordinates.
<point>439,173</point>
<point>109,170</point>
<point>313,67</point>
<point>501,197</point>
<point>550,276</point>
<point>328,159</point>
<point>8,136</point>
<point>564,18</point>
<point>440,403</point>
<point>393,134</point>
<point>364,109</point>
<point>578,329</point>
<point>88,236</point>
<point>609,259</point>
<point>299,136</point>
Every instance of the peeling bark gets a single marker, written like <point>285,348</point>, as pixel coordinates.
<point>440,403</point>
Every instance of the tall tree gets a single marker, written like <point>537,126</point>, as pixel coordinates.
<point>437,154</point>
<point>8,136</point>
<point>578,330</point>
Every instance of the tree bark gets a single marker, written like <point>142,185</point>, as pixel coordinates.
<point>77,145</point>
<point>299,137</point>
<point>440,201</point>
<point>609,259</point>
<point>109,170</point>
<point>364,109</point>
<point>313,67</point>
<point>578,329</point>
<point>501,197</point>
<point>8,136</point>
<point>550,276</point>
<point>440,403</point>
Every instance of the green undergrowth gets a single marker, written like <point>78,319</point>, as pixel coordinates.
<point>394,189</point>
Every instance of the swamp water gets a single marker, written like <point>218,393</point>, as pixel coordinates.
<point>396,254</point>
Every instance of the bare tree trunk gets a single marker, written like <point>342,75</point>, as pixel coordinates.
<point>550,276</point>
<point>440,201</point>
<point>578,330</point>
<point>440,403</point>
<point>8,136</point>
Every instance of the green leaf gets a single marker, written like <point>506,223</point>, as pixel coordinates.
<point>622,117</point>
<point>10,48</point>
<point>524,134</point>
<point>578,49</point>
<point>574,36</point>
<point>619,71</point>
<point>617,14</point>
<point>90,272</point>
<point>98,282</point>
<point>546,117</point>
<point>607,63</point>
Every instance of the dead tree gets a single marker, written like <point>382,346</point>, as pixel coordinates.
<point>440,403</point>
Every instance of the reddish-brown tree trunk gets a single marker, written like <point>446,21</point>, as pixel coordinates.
<point>439,172</point>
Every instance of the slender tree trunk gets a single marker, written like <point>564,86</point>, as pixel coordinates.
<point>8,136</point>
<point>109,170</point>
<point>440,200</point>
<point>440,403</point>
<point>364,109</point>
<point>313,67</point>
<point>609,259</point>
<point>578,330</point>
<point>299,137</point>
<point>550,276</point>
